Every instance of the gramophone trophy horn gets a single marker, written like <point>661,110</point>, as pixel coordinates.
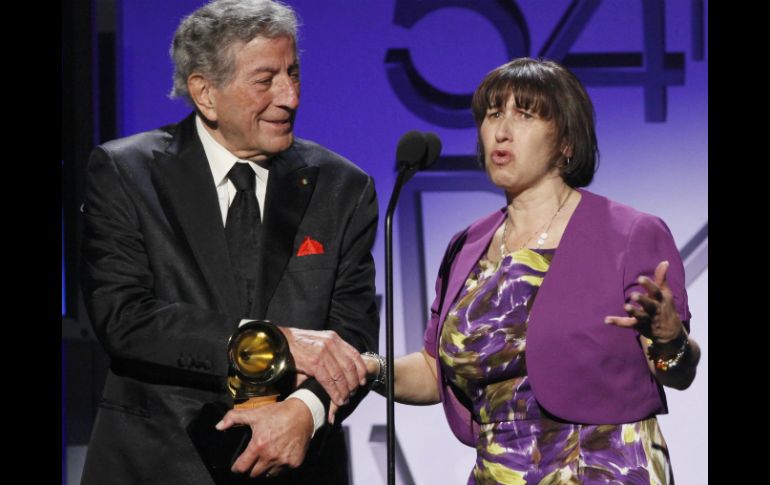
<point>259,355</point>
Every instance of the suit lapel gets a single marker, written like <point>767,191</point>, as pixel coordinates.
<point>183,177</point>
<point>290,186</point>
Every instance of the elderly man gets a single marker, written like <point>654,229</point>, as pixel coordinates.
<point>198,227</point>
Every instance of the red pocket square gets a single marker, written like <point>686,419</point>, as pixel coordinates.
<point>310,246</point>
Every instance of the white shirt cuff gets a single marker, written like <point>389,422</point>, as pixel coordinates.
<point>314,404</point>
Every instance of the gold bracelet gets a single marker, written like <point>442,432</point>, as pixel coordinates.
<point>667,364</point>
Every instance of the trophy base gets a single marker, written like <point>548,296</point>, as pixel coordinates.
<point>255,402</point>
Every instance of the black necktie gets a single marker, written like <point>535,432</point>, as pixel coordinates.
<point>242,232</point>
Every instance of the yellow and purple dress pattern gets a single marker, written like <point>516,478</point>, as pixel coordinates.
<point>482,353</point>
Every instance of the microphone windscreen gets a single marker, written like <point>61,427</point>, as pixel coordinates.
<point>433,151</point>
<point>411,150</point>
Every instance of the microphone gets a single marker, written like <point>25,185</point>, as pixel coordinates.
<point>415,151</point>
<point>412,149</point>
<point>433,151</point>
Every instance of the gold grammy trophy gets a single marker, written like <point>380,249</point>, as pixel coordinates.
<point>259,355</point>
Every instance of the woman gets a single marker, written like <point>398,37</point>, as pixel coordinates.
<point>590,291</point>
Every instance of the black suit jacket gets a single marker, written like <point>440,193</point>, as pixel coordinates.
<point>163,301</point>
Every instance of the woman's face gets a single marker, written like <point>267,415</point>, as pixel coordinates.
<point>519,147</point>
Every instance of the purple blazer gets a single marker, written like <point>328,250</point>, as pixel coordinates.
<point>581,369</point>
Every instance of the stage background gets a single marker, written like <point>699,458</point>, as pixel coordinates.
<point>372,70</point>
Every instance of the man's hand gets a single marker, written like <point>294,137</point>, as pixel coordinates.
<point>280,435</point>
<point>335,364</point>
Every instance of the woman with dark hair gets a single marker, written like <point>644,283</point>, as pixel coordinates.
<point>559,318</point>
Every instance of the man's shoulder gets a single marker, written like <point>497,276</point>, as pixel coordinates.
<point>173,138</point>
<point>140,145</point>
<point>317,155</point>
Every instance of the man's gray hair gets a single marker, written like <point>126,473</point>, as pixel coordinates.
<point>202,42</point>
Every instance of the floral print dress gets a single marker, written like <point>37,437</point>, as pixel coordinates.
<point>482,351</point>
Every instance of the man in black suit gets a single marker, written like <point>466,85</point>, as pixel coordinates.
<point>166,285</point>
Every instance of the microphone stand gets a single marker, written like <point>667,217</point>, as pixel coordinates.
<point>403,177</point>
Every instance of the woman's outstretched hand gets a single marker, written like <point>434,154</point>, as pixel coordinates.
<point>654,314</point>
<point>672,355</point>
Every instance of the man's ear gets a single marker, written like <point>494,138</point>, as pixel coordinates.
<point>203,95</point>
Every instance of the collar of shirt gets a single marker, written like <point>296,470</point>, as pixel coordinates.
<point>220,162</point>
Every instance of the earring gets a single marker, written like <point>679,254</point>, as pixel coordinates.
<point>569,160</point>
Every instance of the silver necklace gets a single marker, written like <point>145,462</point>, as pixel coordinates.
<point>543,235</point>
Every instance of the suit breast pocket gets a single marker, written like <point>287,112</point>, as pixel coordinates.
<point>312,262</point>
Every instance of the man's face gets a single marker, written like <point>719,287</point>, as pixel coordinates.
<point>254,112</point>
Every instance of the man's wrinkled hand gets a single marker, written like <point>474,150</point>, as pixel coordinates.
<point>334,363</point>
<point>280,435</point>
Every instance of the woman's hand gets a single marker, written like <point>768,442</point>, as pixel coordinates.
<point>655,317</point>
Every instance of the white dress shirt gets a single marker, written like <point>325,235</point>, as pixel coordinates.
<point>220,162</point>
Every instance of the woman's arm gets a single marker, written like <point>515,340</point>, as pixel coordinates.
<point>681,375</point>
<point>671,354</point>
<point>415,378</point>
